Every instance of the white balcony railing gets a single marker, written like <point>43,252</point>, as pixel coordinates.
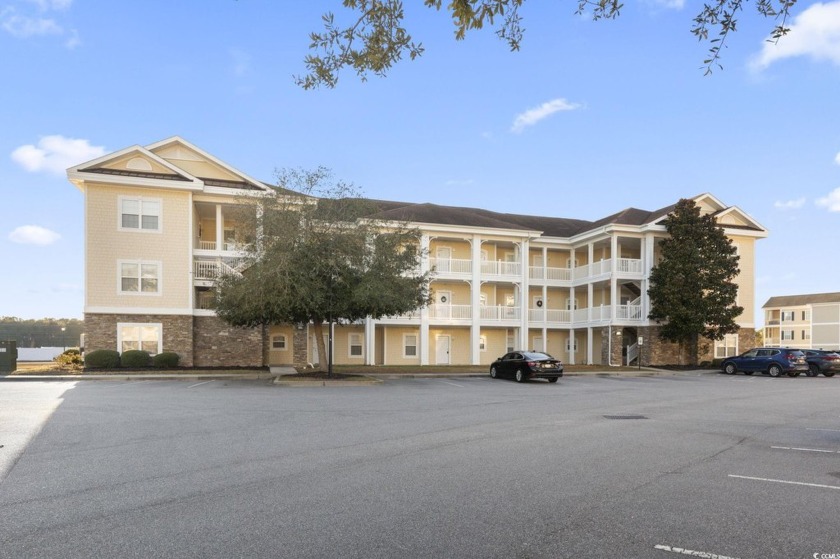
<point>212,269</point>
<point>550,316</point>
<point>628,312</point>
<point>549,274</point>
<point>228,246</point>
<point>451,265</point>
<point>455,312</point>
<point>500,313</point>
<point>498,268</point>
<point>629,266</point>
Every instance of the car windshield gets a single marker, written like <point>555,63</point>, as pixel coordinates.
<point>534,355</point>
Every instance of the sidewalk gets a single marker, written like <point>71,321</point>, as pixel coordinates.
<point>375,378</point>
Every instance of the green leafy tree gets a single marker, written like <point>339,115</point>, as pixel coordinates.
<point>316,255</point>
<point>375,39</point>
<point>692,292</point>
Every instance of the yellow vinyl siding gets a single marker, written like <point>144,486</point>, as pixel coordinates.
<point>106,245</point>
<point>394,337</point>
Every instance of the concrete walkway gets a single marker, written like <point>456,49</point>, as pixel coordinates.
<point>277,376</point>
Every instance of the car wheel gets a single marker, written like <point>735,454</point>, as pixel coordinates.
<point>828,374</point>
<point>813,370</point>
<point>774,371</point>
<point>748,372</point>
<point>553,379</point>
<point>793,374</point>
<point>492,372</point>
<point>730,369</point>
<point>520,376</point>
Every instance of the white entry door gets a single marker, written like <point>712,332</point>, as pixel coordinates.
<point>538,343</point>
<point>442,350</point>
<point>444,304</point>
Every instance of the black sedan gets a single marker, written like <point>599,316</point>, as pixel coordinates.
<point>821,361</point>
<point>524,365</point>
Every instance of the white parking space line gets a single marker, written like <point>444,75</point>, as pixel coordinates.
<point>807,449</point>
<point>691,552</point>
<point>815,429</point>
<point>452,383</point>
<point>787,482</point>
<point>200,383</point>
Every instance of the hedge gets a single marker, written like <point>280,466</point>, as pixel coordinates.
<point>102,359</point>
<point>136,358</point>
<point>166,360</point>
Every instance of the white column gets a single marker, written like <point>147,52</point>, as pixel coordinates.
<point>475,301</point>
<point>523,294</point>
<point>220,228</point>
<point>613,277</point>
<point>423,339</point>
<point>370,341</point>
<point>647,264</point>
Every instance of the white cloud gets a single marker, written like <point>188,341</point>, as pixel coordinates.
<point>831,202</point>
<point>23,26</point>
<point>790,204</point>
<point>815,33</point>
<point>670,4</point>
<point>533,116</point>
<point>837,158</point>
<point>35,18</point>
<point>54,154</point>
<point>33,235</point>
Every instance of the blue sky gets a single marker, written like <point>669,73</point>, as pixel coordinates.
<point>587,119</point>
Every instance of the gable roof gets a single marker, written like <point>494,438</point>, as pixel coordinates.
<point>801,300</point>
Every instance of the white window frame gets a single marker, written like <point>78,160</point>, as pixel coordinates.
<point>121,326</point>
<point>482,343</point>
<point>140,264</point>
<point>787,335</point>
<point>415,345</point>
<point>569,345</point>
<point>806,315</point>
<point>569,304</point>
<point>139,200</point>
<point>806,334</point>
<point>275,338</point>
<point>790,314</point>
<point>729,345</point>
<point>351,345</point>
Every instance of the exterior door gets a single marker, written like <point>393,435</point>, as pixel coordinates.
<point>538,344</point>
<point>442,350</point>
<point>444,304</point>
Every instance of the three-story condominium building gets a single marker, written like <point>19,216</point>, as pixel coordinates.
<point>160,228</point>
<point>810,321</point>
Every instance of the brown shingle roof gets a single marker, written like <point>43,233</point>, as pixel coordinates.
<point>800,300</point>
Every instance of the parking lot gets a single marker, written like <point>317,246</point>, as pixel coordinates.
<point>675,465</point>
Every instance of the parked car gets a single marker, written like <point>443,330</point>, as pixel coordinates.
<point>822,361</point>
<point>769,360</point>
<point>524,365</point>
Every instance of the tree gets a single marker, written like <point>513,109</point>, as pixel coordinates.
<point>376,38</point>
<point>316,255</point>
<point>692,292</point>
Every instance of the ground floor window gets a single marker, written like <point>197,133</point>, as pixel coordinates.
<point>147,337</point>
<point>787,335</point>
<point>571,345</point>
<point>727,347</point>
<point>410,345</point>
<point>482,343</point>
<point>278,342</point>
<point>355,345</point>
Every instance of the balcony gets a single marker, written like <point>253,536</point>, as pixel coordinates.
<point>624,267</point>
<point>540,275</point>
<point>209,270</point>
<point>210,246</point>
<point>451,266</point>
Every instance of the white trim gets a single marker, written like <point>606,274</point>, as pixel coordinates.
<point>482,342</point>
<point>158,325</point>
<point>351,345</point>
<point>274,337</point>
<point>209,157</point>
<point>139,199</point>
<point>416,346</point>
<point>185,311</point>
<point>140,292</point>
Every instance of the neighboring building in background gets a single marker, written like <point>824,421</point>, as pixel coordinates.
<point>160,227</point>
<point>803,321</point>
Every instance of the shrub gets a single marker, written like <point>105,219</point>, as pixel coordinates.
<point>135,358</point>
<point>102,359</point>
<point>70,357</point>
<point>166,360</point>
